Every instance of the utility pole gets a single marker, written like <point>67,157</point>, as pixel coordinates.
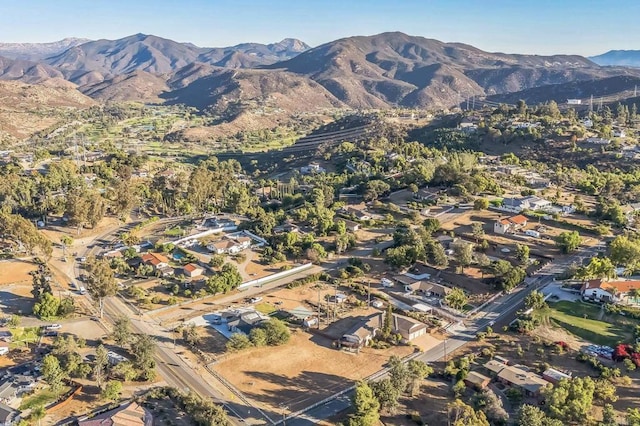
<point>318,309</point>
<point>473,102</point>
<point>467,103</point>
<point>591,104</point>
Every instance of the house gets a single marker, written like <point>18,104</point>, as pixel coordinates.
<point>157,260</point>
<point>128,414</point>
<point>445,240</point>
<point>230,246</point>
<point>608,291</point>
<point>407,327</point>
<point>8,416</point>
<point>285,228</point>
<point>517,205</point>
<point>192,270</point>
<point>619,133</point>
<point>574,101</point>
<point>425,194</point>
<point>8,391</point>
<point>166,271</point>
<point>467,125</point>
<point>244,322</point>
<point>513,375</point>
<point>351,225</point>
<point>428,288</point>
<point>502,226</point>
<point>476,380</point>
<point>553,376</point>
<point>358,213</point>
<point>167,174</point>
<point>312,168</point>
<point>598,141</point>
<point>362,333</point>
<point>115,358</point>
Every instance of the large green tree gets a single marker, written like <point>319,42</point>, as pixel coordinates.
<point>366,407</point>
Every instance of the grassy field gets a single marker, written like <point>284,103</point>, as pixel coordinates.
<point>21,336</point>
<point>42,397</point>
<point>588,322</point>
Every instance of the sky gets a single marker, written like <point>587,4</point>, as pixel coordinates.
<point>585,27</point>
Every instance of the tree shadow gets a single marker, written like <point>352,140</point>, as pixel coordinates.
<point>12,303</point>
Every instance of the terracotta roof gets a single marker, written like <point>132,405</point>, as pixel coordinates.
<point>190,267</point>
<point>518,220</point>
<point>620,286</point>
<point>154,258</point>
<point>505,222</point>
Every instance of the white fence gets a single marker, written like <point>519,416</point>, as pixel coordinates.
<point>275,276</point>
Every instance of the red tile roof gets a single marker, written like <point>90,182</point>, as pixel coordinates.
<point>190,267</point>
<point>518,220</point>
<point>154,258</point>
<point>620,286</point>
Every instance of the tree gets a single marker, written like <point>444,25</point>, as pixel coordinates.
<point>125,370</point>
<point>461,414</point>
<point>217,260</point>
<point>530,415</point>
<point>143,349</point>
<point>66,241</point>
<point>431,225</point>
<point>463,253</point>
<point>99,368</point>
<point>386,394</point>
<point>598,267</point>
<point>53,374</point>
<point>38,413</point>
<point>238,342</point>
<point>398,373</point>
<point>456,298</point>
<point>609,417</point>
<point>480,204</point>
<point>47,307</point>
<point>534,300</point>
<point>477,230</point>
<point>190,335</point>
<point>570,400</point>
<point>438,255</point>
<point>413,188</point>
<point>568,242</point>
<point>366,406</point>
<point>258,337</point>
<point>489,403</point>
<point>101,282</point>
<point>418,370</point>
<point>633,416</point>
<point>122,331</point>
<point>522,253</point>
<point>276,332</point>
<point>388,322</point>
<point>112,390</point>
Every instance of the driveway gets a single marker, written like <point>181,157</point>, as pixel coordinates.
<point>555,290</point>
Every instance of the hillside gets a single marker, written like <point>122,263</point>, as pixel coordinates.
<point>27,71</point>
<point>26,109</point>
<point>623,58</point>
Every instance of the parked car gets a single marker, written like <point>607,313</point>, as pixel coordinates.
<point>255,299</point>
<point>53,327</point>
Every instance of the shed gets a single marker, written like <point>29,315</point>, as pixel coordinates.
<point>476,380</point>
<point>552,375</point>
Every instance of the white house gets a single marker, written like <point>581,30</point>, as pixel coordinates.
<point>619,133</point>
<point>229,246</point>
<point>574,101</point>
<point>598,141</point>
<point>501,226</point>
<point>311,168</point>
<point>510,224</point>
<point>608,291</point>
<point>516,205</point>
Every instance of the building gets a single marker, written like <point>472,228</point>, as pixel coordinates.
<point>8,391</point>
<point>358,213</point>
<point>598,141</point>
<point>245,322</point>
<point>427,288</point>
<point>8,416</point>
<point>192,270</point>
<point>476,380</point>
<point>115,358</point>
<point>350,224</point>
<point>408,328</point>
<point>128,414</point>
<point>229,246</point>
<point>619,133</point>
<point>553,376</point>
<point>157,260</point>
<point>6,336</point>
<point>516,376</point>
<point>312,168</point>
<point>362,333</point>
<point>609,291</point>
<point>574,101</point>
<point>510,224</point>
<point>517,205</point>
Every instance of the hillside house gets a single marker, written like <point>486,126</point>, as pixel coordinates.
<point>427,288</point>
<point>609,291</point>
<point>229,246</point>
<point>131,414</point>
<point>476,381</point>
<point>312,168</point>
<point>192,270</point>
<point>598,141</point>
<point>553,376</point>
<point>358,213</point>
<point>245,322</point>
<point>349,224</point>
<point>517,205</point>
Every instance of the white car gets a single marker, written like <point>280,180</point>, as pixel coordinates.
<point>255,299</point>
<point>53,327</point>
<point>385,282</point>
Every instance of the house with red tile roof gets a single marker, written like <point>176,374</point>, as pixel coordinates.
<point>510,224</point>
<point>609,291</point>
<point>157,260</point>
<point>192,270</point>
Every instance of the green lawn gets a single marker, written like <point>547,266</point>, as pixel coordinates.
<point>265,308</point>
<point>587,322</point>
<point>43,397</point>
<point>174,232</point>
<point>24,335</point>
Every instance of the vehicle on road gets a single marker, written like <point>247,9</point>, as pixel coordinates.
<point>255,299</point>
<point>53,327</point>
<point>82,290</point>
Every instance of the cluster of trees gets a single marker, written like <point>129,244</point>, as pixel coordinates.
<point>227,279</point>
<point>22,233</point>
<point>47,306</point>
<point>383,395</point>
<point>203,412</point>
<point>101,281</point>
<point>272,332</point>
<point>412,245</point>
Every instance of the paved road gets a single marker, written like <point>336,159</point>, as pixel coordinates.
<point>498,313</point>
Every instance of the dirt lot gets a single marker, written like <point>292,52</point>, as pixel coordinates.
<point>15,271</point>
<point>301,372</point>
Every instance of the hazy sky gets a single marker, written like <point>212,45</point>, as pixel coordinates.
<point>584,27</point>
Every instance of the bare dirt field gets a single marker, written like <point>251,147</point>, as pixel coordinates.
<point>303,371</point>
<point>15,271</point>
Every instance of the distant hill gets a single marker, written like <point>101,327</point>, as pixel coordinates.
<point>624,58</point>
<point>27,71</point>
<point>38,51</point>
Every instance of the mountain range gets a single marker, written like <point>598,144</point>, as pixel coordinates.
<point>625,58</point>
<point>380,71</point>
